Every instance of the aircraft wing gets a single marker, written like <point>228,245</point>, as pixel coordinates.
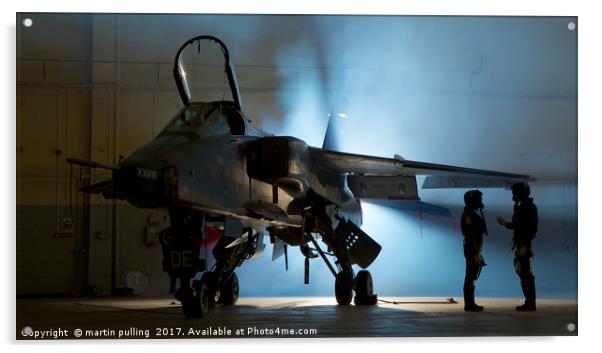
<point>437,175</point>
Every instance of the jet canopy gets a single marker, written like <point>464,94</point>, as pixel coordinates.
<point>207,119</point>
<point>203,72</point>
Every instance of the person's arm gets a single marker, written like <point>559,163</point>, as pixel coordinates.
<point>525,219</point>
<point>503,222</point>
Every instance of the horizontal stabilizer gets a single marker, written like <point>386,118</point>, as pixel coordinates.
<point>414,206</point>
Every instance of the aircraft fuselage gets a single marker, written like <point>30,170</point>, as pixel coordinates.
<point>213,177</point>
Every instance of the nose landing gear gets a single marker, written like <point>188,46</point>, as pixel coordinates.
<point>196,300</point>
<point>181,245</point>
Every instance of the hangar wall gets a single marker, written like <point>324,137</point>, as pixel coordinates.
<point>53,106</point>
<point>98,86</point>
<point>78,100</point>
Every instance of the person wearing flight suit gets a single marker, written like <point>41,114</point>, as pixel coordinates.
<point>473,228</point>
<point>524,226</point>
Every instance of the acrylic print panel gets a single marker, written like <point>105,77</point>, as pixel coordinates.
<point>199,198</point>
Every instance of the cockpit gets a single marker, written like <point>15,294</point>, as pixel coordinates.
<point>208,88</point>
<point>207,119</point>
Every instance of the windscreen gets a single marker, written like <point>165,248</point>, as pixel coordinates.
<point>207,119</point>
<point>200,119</point>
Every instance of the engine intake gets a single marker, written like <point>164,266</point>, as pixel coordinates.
<point>279,161</point>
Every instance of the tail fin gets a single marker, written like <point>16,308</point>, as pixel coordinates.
<point>334,131</point>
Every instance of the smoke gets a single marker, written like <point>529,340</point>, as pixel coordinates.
<point>302,94</point>
<point>442,89</point>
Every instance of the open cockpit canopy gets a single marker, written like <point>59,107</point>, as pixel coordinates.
<point>203,72</point>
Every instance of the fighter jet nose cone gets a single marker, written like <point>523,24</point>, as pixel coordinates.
<point>142,183</point>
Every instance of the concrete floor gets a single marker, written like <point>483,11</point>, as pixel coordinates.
<point>162,318</point>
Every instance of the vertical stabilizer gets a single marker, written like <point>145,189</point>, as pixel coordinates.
<point>334,131</point>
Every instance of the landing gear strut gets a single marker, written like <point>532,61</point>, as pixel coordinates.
<point>341,241</point>
<point>345,284</point>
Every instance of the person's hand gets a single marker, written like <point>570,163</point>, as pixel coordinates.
<point>502,221</point>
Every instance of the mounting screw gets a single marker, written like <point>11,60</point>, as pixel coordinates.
<point>571,26</point>
<point>571,327</point>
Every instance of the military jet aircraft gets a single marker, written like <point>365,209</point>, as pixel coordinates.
<point>226,183</point>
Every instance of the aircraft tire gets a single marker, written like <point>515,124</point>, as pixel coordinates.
<point>371,300</point>
<point>343,288</point>
<point>364,289</point>
<point>363,284</point>
<point>197,303</point>
<point>229,293</point>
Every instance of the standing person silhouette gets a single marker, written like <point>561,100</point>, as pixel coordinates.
<point>473,228</point>
<point>524,226</point>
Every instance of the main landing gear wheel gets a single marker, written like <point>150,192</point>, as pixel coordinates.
<point>343,287</point>
<point>229,293</point>
<point>364,289</point>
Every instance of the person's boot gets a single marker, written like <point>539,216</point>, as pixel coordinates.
<point>469,304</point>
<point>526,307</point>
<point>531,297</point>
<point>529,290</point>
